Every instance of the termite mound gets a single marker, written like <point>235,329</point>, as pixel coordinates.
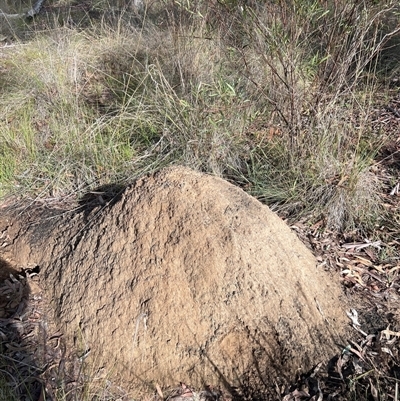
<point>185,277</point>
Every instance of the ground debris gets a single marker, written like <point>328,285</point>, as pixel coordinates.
<point>368,368</point>
<point>19,327</point>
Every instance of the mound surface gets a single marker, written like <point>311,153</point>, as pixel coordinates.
<point>187,278</point>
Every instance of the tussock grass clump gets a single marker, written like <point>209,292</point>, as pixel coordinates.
<point>274,97</point>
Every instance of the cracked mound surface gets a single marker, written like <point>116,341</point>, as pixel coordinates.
<point>188,278</point>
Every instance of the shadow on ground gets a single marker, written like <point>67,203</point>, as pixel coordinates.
<point>20,321</point>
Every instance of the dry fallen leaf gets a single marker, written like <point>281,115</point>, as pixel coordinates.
<point>159,391</point>
<point>374,391</point>
<point>389,333</point>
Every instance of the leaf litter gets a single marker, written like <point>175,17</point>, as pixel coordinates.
<point>368,368</point>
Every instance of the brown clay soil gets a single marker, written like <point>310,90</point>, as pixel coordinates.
<point>182,277</point>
